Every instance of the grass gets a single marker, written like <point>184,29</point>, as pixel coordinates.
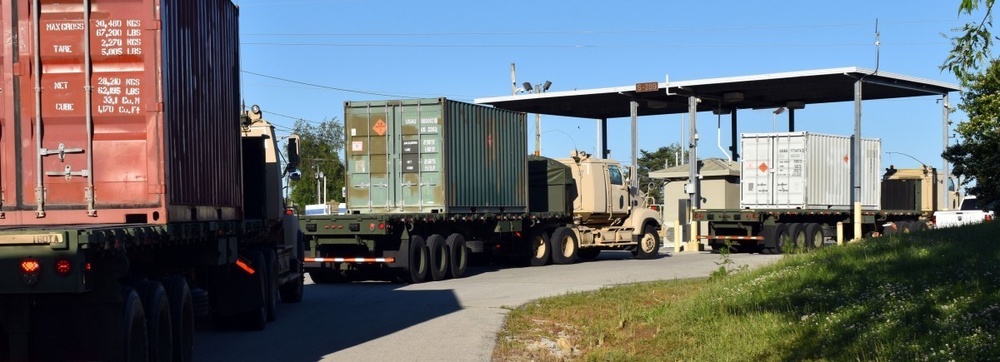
<point>928,296</point>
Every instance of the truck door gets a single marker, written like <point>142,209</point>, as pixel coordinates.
<point>618,198</point>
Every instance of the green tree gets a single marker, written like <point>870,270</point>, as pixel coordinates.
<point>319,150</point>
<point>652,161</point>
<point>971,44</point>
<point>976,156</point>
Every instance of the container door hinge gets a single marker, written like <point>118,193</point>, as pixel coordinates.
<point>39,200</point>
<point>89,194</point>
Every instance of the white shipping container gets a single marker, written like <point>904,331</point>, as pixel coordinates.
<point>802,170</point>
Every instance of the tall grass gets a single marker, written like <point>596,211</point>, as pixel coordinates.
<point>924,296</point>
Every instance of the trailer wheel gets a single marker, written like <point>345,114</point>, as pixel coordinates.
<point>564,245</point>
<point>649,244</point>
<point>797,233</point>
<point>589,253</point>
<point>327,276</point>
<point>437,253</point>
<point>182,316</point>
<point>906,227</point>
<point>136,345</point>
<point>159,334</point>
<point>416,270</point>
<point>458,255</point>
<point>538,247</point>
<point>257,318</point>
<point>271,283</point>
<point>782,238</point>
<point>814,236</point>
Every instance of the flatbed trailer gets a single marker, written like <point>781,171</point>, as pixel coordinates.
<point>778,230</point>
<point>419,247</point>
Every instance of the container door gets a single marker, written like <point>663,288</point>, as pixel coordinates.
<point>368,163</point>
<point>757,168</point>
<point>789,172</point>
<point>419,180</point>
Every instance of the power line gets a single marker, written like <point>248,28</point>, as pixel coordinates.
<point>323,86</point>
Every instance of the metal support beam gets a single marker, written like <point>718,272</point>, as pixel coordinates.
<point>735,138</point>
<point>856,160</point>
<point>693,154</point>
<point>791,119</point>
<point>634,168</point>
<point>602,138</point>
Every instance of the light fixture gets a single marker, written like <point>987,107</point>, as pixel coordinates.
<point>546,86</point>
<point>779,110</point>
<point>527,87</point>
<point>795,104</point>
<point>732,97</point>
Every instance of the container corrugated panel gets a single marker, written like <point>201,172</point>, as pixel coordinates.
<point>434,156</point>
<point>163,107</point>
<point>801,170</point>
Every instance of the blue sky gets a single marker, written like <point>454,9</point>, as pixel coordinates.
<point>304,58</point>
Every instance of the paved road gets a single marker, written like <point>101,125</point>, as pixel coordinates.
<point>451,320</point>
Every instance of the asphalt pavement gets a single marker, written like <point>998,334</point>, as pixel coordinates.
<point>450,320</point>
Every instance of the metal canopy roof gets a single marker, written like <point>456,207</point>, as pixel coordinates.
<point>758,91</point>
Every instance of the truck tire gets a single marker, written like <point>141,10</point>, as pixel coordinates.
<point>182,317</point>
<point>781,237</point>
<point>327,276</point>
<point>649,243</point>
<point>797,236</point>
<point>437,254</point>
<point>416,265</point>
<point>257,318</point>
<point>291,292</point>
<point>458,255</point>
<point>589,253</point>
<point>271,282</point>
<point>157,308</point>
<point>814,236</point>
<point>136,341</point>
<point>565,246</point>
<point>539,250</point>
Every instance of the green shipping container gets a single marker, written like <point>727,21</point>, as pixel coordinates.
<point>434,156</point>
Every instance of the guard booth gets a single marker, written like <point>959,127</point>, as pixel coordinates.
<point>720,189</point>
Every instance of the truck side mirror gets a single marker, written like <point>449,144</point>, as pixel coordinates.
<point>292,151</point>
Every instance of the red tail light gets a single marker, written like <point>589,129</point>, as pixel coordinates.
<point>29,265</point>
<point>29,271</point>
<point>289,211</point>
<point>63,267</point>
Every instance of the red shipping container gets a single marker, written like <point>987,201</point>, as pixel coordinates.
<point>119,112</point>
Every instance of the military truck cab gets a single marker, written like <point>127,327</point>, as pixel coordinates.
<point>608,213</point>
